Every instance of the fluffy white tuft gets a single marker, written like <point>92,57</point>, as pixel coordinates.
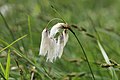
<point>52,47</point>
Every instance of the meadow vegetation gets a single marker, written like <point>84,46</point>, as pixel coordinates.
<point>21,24</point>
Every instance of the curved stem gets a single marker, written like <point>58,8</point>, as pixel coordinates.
<point>53,20</point>
<point>83,52</point>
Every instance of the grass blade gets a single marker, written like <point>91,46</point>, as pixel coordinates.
<point>7,26</point>
<point>27,59</point>
<point>112,71</point>
<point>58,13</point>
<point>103,53</point>
<point>6,44</point>
<point>7,66</point>
<point>30,32</point>
<point>2,68</point>
<point>13,43</point>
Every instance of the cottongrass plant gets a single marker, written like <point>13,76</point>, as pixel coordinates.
<point>52,46</point>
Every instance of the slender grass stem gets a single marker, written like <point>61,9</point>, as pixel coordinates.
<point>13,43</point>
<point>32,73</point>
<point>30,31</point>
<point>32,76</point>
<point>58,13</point>
<point>97,34</point>
<point>91,36</point>
<point>83,52</point>
<point>7,26</point>
<point>53,20</point>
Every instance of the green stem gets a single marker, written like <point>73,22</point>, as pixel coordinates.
<point>13,43</point>
<point>58,13</point>
<point>53,20</point>
<point>83,52</point>
<point>7,26</point>
<point>30,31</point>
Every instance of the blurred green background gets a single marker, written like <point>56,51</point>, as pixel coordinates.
<point>31,16</point>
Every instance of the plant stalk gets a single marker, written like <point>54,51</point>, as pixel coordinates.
<point>83,52</point>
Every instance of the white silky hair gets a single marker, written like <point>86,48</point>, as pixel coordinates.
<point>52,47</point>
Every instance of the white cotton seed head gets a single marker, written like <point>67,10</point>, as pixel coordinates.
<point>44,42</point>
<point>56,29</point>
<point>52,47</point>
<point>60,45</point>
<point>65,36</point>
<point>51,50</point>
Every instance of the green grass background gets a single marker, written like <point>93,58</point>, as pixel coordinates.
<point>31,16</point>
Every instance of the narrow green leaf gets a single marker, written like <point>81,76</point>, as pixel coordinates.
<point>112,71</point>
<point>2,68</point>
<point>5,43</point>
<point>13,43</point>
<point>7,26</point>
<point>103,53</point>
<point>27,59</point>
<point>7,66</point>
<point>30,32</point>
